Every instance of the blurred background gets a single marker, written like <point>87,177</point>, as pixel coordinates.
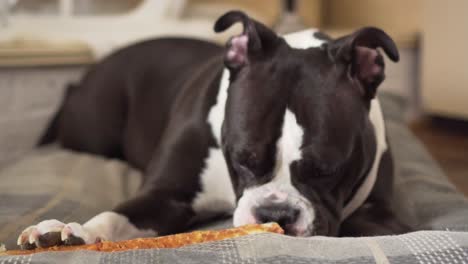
<point>45,44</point>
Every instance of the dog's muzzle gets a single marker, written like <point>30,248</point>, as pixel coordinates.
<point>280,204</point>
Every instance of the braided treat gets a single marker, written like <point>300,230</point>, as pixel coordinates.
<point>171,241</point>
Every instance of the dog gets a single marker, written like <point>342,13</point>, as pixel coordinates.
<point>268,129</point>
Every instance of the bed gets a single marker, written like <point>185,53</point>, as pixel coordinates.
<point>51,182</point>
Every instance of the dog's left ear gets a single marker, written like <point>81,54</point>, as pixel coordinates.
<point>255,41</point>
<point>359,51</point>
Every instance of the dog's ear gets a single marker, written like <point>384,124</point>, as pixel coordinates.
<point>359,51</point>
<point>255,41</point>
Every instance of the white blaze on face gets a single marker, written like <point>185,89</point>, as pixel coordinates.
<point>288,148</point>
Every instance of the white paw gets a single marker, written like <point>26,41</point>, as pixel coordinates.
<point>50,233</point>
<point>104,226</point>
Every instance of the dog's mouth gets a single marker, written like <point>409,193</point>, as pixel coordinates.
<point>283,215</point>
<point>291,227</point>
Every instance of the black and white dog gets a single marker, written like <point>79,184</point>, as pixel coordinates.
<point>286,130</point>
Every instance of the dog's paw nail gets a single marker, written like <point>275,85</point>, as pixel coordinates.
<point>23,239</point>
<point>66,233</point>
<point>72,234</point>
<point>34,235</point>
<point>76,234</point>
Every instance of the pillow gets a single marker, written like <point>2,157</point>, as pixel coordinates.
<point>424,197</point>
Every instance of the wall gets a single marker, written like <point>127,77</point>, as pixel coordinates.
<point>444,79</point>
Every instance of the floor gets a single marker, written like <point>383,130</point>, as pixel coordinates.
<point>447,141</point>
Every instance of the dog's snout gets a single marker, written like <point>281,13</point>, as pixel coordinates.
<point>281,214</point>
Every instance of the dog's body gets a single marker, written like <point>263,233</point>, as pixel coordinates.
<point>214,139</point>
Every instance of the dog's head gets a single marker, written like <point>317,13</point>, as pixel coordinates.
<point>296,134</point>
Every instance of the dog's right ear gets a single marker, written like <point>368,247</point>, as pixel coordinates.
<point>255,41</point>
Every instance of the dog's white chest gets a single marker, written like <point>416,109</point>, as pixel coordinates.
<point>217,195</point>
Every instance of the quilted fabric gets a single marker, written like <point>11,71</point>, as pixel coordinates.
<point>55,183</point>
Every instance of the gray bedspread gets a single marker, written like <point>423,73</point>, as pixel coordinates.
<point>54,183</point>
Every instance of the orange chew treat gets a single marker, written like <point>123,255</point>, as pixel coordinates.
<point>172,241</point>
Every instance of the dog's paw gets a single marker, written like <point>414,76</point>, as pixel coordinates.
<point>50,233</point>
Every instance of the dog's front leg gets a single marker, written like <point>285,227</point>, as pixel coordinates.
<point>163,205</point>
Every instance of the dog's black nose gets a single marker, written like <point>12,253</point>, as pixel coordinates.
<point>281,214</point>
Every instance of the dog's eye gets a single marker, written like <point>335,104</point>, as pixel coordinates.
<point>326,170</point>
<point>247,159</point>
<point>245,172</point>
<point>308,172</point>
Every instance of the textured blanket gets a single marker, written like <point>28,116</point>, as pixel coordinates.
<point>54,183</point>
